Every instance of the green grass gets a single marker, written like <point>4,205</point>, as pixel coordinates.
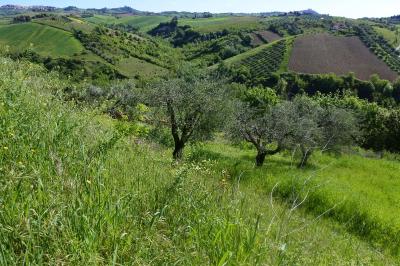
<point>132,67</point>
<point>392,37</point>
<point>71,25</point>
<point>100,19</point>
<point>206,25</point>
<point>364,189</point>
<point>146,23</point>
<point>44,40</point>
<point>143,23</point>
<point>76,189</point>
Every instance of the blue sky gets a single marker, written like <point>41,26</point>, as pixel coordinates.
<point>348,8</point>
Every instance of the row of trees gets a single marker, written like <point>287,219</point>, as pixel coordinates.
<point>301,125</point>
<point>194,105</point>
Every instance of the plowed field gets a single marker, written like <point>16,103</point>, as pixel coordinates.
<point>324,53</point>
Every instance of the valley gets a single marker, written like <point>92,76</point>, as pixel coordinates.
<point>132,137</point>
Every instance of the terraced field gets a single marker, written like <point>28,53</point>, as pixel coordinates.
<point>264,59</point>
<point>324,53</point>
<point>45,40</point>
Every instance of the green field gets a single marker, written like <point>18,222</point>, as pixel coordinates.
<point>143,23</point>
<point>393,37</point>
<point>79,188</point>
<point>132,67</point>
<point>206,25</point>
<point>99,19</point>
<point>68,25</point>
<point>44,40</point>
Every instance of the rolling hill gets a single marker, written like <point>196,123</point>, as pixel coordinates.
<point>93,103</point>
<point>143,23</point>
<point>44,40</point>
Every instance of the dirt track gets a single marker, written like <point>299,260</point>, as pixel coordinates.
<point>324,53</point>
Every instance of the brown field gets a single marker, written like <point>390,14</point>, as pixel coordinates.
<point>256,40</point>
<point>324,53</point>
<point>269,36</point>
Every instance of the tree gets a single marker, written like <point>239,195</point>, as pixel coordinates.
<point>311,127</point>
<point>254,122</point>
<point>192,104</point>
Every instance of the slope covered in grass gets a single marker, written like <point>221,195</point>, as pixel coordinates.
<point>392,36</point>
<point>78,188</point>
<point>206,25</point>
<point>363,192</point>
<point>42,39</point>
<point>143,23</point>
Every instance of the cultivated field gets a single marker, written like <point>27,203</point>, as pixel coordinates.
<point>45,40</point>
<point>143,23</point>
<point>206,25</point>
<point>323,53</point>
<point>269,36</point>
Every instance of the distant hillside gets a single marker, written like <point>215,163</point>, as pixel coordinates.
<point>45,40</point>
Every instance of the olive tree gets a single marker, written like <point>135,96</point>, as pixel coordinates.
<point>313,127</point>
<point>254,122</point>
<point>192,105</point>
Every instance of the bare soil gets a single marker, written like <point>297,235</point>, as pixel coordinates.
<point>324,53</point>
<point>269,36</point>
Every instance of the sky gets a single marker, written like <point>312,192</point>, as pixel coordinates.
<point>347,8</point>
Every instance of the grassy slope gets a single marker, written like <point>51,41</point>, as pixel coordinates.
<point>74,191</point>
<point>366,190</point>
<point>390,36</point>
<point>144,23</point>
<point>46,40</point>
<point>73,24</point>
<point>131,67</point>
<point>206,25</point>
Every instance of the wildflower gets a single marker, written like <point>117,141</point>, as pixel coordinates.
<point>89,182</point>
<point>5,148</point>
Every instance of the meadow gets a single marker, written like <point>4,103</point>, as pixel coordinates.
<point>45,40</point>
<point>78,187</point>
<point>206,25</point>
<point>143,23</point>
<point>359,189</point>
<point>393,37</point>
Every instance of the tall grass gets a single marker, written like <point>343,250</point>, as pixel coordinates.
<point>75,191</point>
<point>360,193</point>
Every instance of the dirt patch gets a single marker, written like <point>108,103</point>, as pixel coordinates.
<point>324,53</point>
<point>268,36</point>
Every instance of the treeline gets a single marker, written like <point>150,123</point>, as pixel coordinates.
<point>290,84</point>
